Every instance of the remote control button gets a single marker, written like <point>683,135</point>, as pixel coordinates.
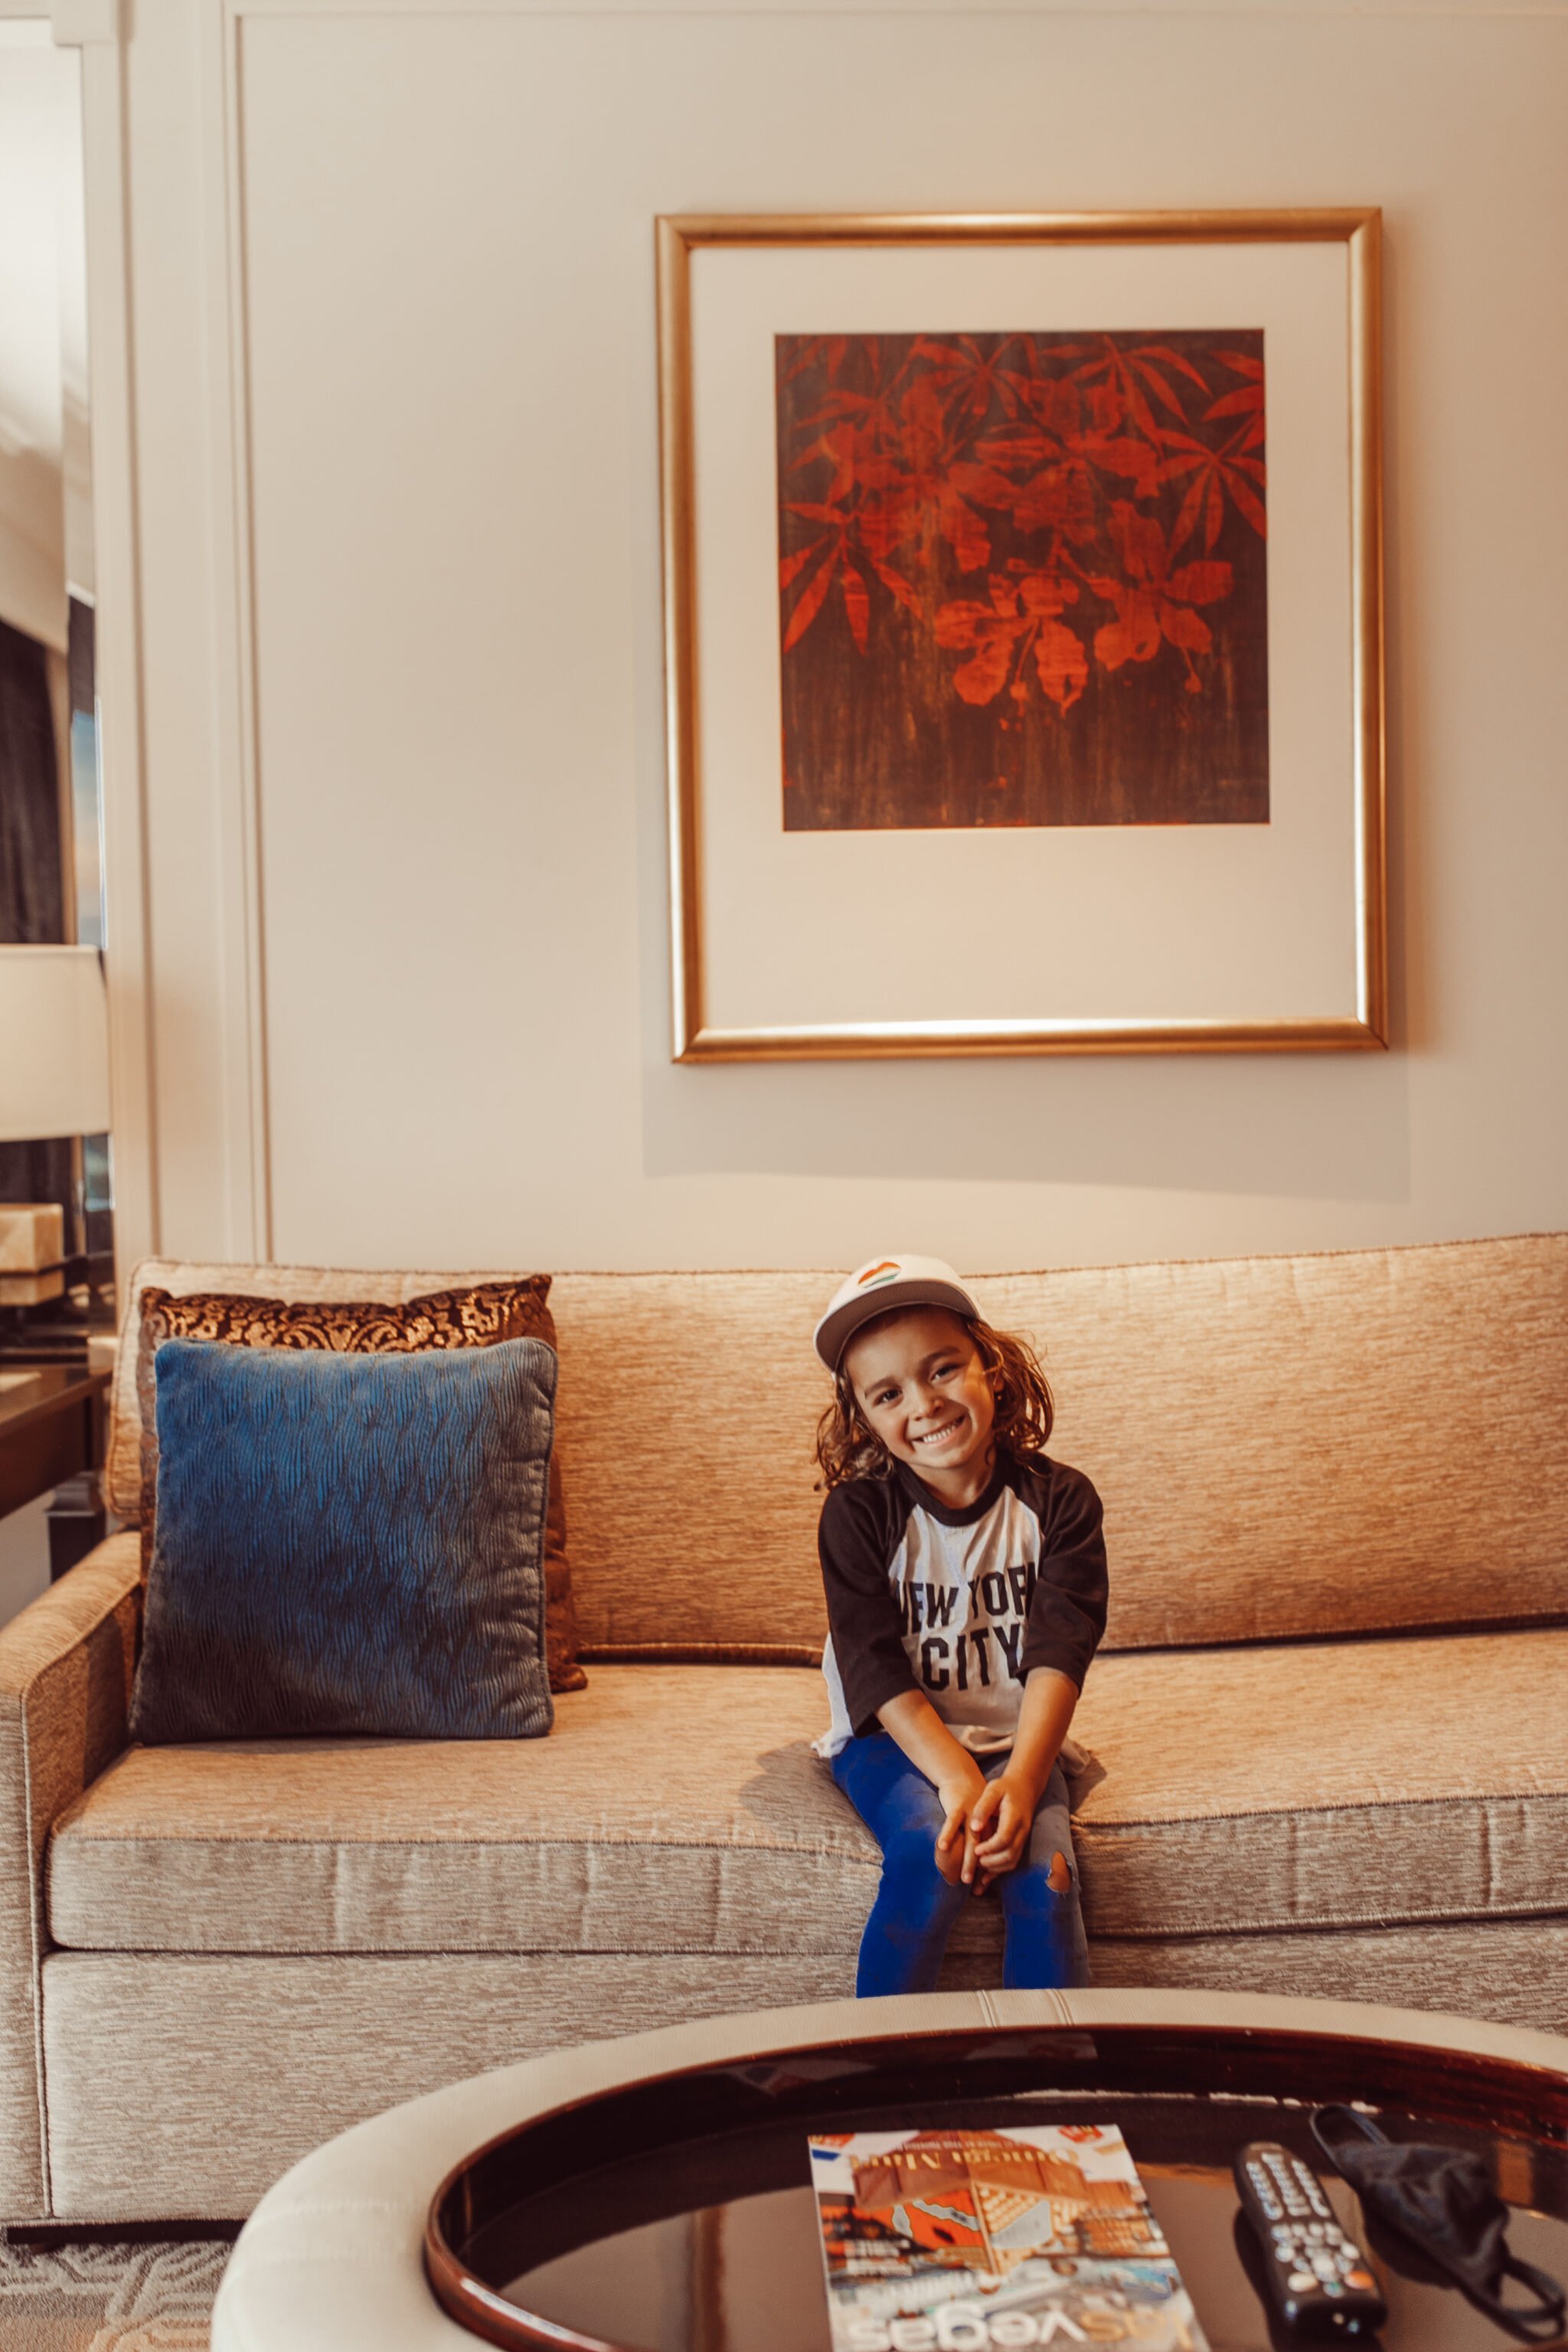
<point>1362,2280</point>
<point>1286,2255</point>
<point>1324,2265</point>
<point>1334,2287</point>
<point>1301,2282</point>
<point>1280,2229</point>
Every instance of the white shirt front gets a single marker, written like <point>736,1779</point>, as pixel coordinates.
<point>962,1595</point>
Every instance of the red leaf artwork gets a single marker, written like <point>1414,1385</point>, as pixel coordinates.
<point>1023,578</point>
<point>1020,620</point>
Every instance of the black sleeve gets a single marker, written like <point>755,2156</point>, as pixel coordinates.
<point>855,1539</point>
<point>1067,1609</point>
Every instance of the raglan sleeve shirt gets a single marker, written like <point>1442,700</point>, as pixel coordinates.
<point>855,1539</point>
<point>858,1536</point>
<point>1066,1610</point>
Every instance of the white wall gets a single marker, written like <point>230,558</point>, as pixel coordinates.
<point>436,268</point>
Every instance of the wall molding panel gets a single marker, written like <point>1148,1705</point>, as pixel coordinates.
<point>247,1154</point>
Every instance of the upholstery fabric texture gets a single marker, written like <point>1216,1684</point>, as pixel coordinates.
<point>1199,1397</point>
<point>1327,1784</point>
<point>1514,1972</point>
<point>1207,1402</point>
<point>295,2049</point>
<point>1243,1791</point>
<point>65,1680</point>
<point>728,1836</point>
<point>348,1544</point>
<point>474,1315</point>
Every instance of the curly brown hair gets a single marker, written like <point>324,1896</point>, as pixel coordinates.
<point>846,1447</point>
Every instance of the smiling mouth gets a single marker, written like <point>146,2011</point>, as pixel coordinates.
<point>939,1436</point>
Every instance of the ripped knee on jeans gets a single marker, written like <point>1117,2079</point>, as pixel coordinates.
<point>1059,1876</point>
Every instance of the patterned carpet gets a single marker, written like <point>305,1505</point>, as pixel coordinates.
<point>156,2297</point>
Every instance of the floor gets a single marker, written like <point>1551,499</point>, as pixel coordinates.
<point>155,2296</point>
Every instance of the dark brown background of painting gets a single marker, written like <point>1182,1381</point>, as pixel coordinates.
<point>881,740</point>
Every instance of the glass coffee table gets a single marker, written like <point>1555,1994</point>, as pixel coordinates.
<point>672,2212</point>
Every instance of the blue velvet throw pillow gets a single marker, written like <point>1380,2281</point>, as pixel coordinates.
<point>348,1544</point>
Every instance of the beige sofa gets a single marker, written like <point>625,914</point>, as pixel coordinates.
<point>1331,1718</point>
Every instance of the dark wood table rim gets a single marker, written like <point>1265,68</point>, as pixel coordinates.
<point>57,1386</point>
<point>829,2081</point>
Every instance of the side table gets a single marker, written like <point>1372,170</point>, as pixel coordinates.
<point>51,1435</point>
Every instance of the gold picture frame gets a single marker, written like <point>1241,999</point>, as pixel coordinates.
<point>1361,1021</point>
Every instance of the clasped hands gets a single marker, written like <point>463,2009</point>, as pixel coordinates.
<point>985,1826</point>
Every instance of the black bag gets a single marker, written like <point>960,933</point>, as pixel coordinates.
<point>1442,2201</point>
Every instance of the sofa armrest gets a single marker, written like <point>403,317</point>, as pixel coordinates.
<point>66,1665</point>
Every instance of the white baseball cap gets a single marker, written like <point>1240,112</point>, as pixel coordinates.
<point>879,1286</point>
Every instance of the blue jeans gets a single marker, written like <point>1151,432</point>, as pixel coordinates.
<point>906,1935</point>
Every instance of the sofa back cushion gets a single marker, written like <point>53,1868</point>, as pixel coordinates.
<point>1284,1445</point>
<point>1308,1445</point>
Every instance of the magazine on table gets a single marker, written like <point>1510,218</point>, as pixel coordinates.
<point>947,2240</point>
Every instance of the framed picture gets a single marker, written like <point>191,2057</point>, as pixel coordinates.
<point>1023,586</point>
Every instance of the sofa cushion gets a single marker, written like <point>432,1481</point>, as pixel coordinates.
<point>348,1544</point>
<point>674,1809</point>
<point>679,1809</point>
<point>1327,1784</point>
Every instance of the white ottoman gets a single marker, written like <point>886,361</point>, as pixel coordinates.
<point>333,2258</point>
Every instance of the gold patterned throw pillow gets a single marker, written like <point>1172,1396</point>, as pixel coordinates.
<point>472,1317</point>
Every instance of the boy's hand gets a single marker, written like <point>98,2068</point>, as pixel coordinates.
<point>1000,1820</point>
<point>956,1841</point>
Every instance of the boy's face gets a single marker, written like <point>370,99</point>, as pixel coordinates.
<point>920,1383</point>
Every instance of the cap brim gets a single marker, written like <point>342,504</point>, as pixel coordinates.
<point>835,1330</point>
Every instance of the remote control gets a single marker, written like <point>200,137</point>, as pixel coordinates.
<point>1316,2278</point>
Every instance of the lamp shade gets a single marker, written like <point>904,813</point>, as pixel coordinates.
<point>54,1044</point>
